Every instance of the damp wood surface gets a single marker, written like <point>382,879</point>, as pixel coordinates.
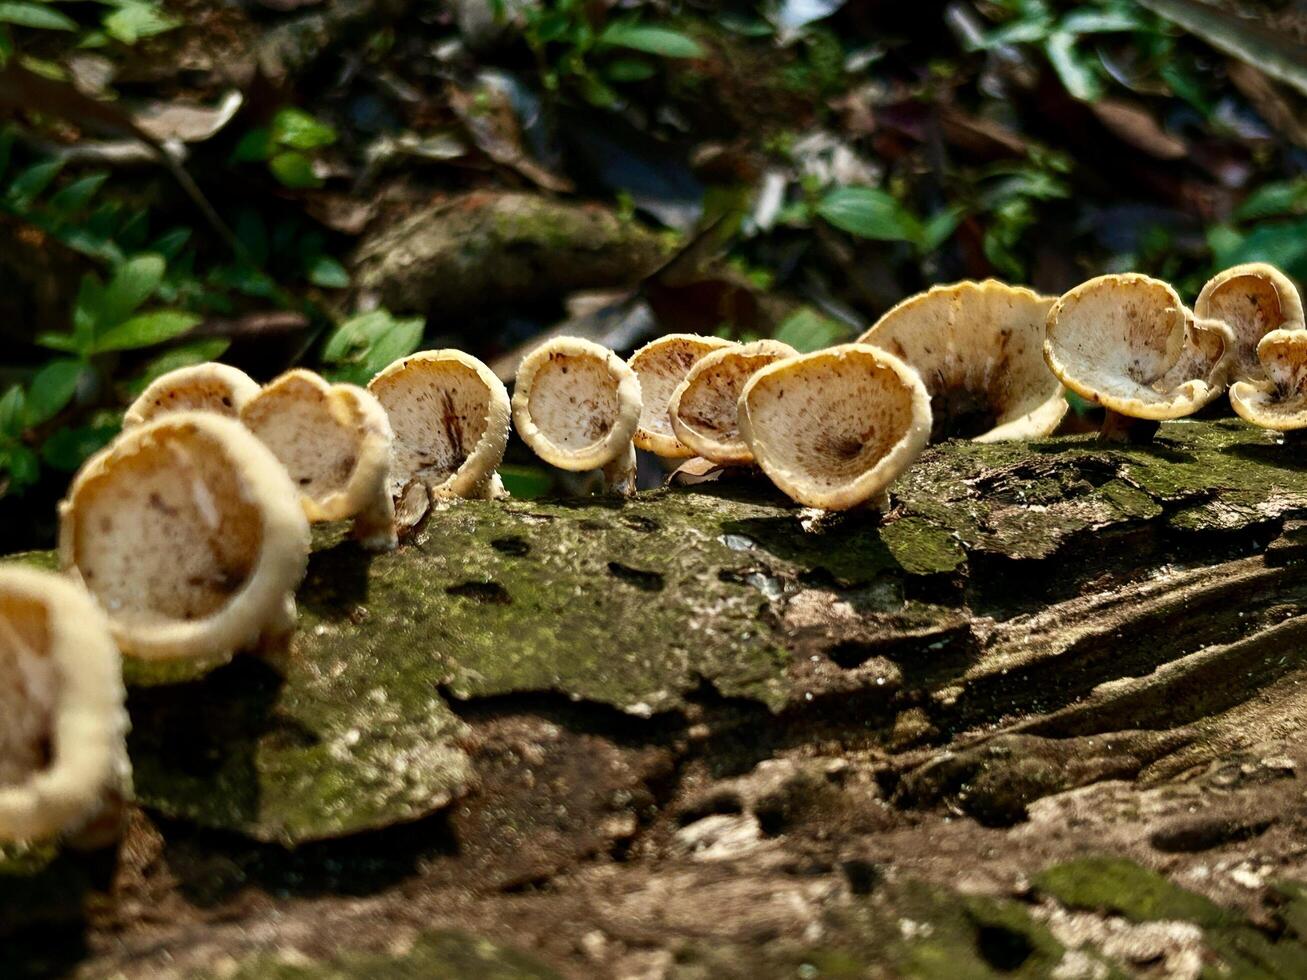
<point>1043,717</point>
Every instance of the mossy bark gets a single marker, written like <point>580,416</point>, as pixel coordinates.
<point>1042,717</point>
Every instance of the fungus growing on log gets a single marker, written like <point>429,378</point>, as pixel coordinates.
<point>189,533</point>
<point>63,758</point>
<point>661,365</point>
<point>978,347</point>
<point>833,429</point>
<point>704,409</point>
<point>210,387</point>
<point>1252,300</point>
<point>334,441</point>
<point>1126,342</point>
<point>577,404</point>
<point>1279,400</point>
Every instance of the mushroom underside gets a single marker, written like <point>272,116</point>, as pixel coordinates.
<point>438,411</point>
<point>571,421</point>
<point>167,533</point>
<point>308,434</point>
<point>1252,307</point>
<point>29,686</point>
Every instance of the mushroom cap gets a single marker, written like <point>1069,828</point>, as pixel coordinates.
<point>62,719</point>
<point>661,365</point>
<point>1252,299</point>
<point>1127,343</point>
<point>1279,401</point>
<point>705,406</point>
<point>979,348</point>
<point>189,533</point>
<point>450,415</point>
<point>834,428</point>
<point>576,404</point>
<point>209,387</point>
<point>333,439</point>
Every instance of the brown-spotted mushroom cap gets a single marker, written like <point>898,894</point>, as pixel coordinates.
<point>209,387</point>
<point>979,348</point>
<point>1252,299</point>
<point>1126,342</point>
<point>576,404</point>
<point>1280,400</point>
<point>450,415</point>
<point>834,428</point>
<point>661,365</point>
<point>705,406</point>
<point>63,758</point>
<point>334,440</point>
<point>189,533</point>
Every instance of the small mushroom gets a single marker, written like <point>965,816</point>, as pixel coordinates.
<point>577,404</point>
<point>210,387</point>
<point>450,415</point>
<point>704,408</point>
<point>1279,401</point>
<point>661,365</point>
<point>334,440</point>
<point>833,429</point>
<point>189,533</point>
<point>1126,342</point>
<point>1252,299</point>
<point>978,347</point>
<point>63,758</point>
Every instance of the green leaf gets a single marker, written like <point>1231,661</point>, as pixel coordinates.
<point>255,146</point>
<point>13,412</point>
<point>1017,32</point>
<point>146,330</point>
<point>1281,243</point>
<point>1273,199</point>
<point>807,330</point>
<point>869,213</point>
<point>131,285</point>
<point>22,466</point>
<point>6,44</point>
<point>170,243</point>
<point>1099,22</point>
<point>63,342</point>
<point>939,228</point>
<point>78,194</point>
<point>298,130</point>
<point>629,70</point>
<point>294,170</point>
<point>135,20</point>
<point>365,344</point>
<point>51,389</point>
<point>526,482</point>
<point>326,272</point>
<point>1076,72</point>
<point>185,355</point>
<point>36,15</point>
<point>651,40</point>
<point>29,184</point>
<point>68,449</point>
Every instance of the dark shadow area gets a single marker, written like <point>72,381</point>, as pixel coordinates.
<point>336,581</point>
<point>1279,456</point>
<point>41,952</point>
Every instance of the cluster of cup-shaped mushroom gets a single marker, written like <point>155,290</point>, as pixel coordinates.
<point>187,537</point>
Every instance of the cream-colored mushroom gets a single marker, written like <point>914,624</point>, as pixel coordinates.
<point>450,415</point>
<point>210,387</point>
<point>63,758</point>
<point>577,404</point>
<point>704,409</point>
<point>1126,342</point>
<point>189,533</point>
<point>661,365</point>
<point>334,440</point>
<point>979,348</point>
<point>1252,300</point>
<point>833,429</point>
<point>1279,400</point>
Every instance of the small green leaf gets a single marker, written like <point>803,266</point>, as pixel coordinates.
<point>68,449</point>
<point>13,412</point>
<point>298,130</point>
<point>526,482</point>
<point>146,330</point>
<point>6,44</point>
<point>36,15</point>
<point>29,184</point>
<point>185,355</point>
<point>22,466</point>
<point>51,389</point>
<point>294,170</point>
<point>807,330</point>
<point>1273,199</point>
<point>1099,22</point>
<point>629,70</point>
<point>869,213</point>
<point>78,194</point>
<point>131,285</point>
<point>326,272</point>
<point>63,342</point>
<point>135,20</point>
<point>1076,72</point>
<point>170,243</point>
<point>365,344</point>
<point>255,146</point>
<point>651,40</point>
<point>1017,32</point>
<point>939,228</point>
